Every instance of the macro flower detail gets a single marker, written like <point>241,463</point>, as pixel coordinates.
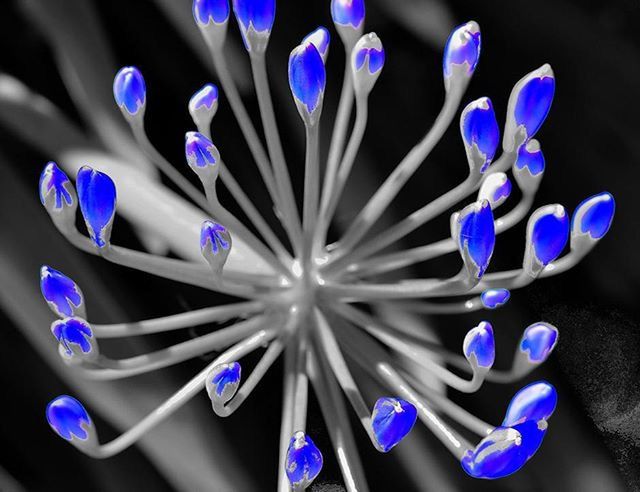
<point>130,91</point>
<point>321,298</point>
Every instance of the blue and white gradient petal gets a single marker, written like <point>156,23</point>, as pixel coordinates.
<point>480,133</point>
<point>321,39</point>
<point>367,60</point>
<point>215,244</point>
<point>479,343</point>
<point>547,235</point>
<point>69,419</point>
<point>538,341</point>
<point>206,11</point>
<point>461,54</point>
<point>130,92</point>
<point>348,13</point>
<point>498,455</point>
<point>223,381</point>
<point>494,298</point>
<point>203,105</point>
<point>307,80</point>
<point>473,230</point>
<point>62,294</point>
<point>391,420</point>
<point>97,197</point>
<point>303,462</point>
<point>593,217</point>
<point>255,19</point>
<point>496,188</point>
<point>202,156</point>
<point>536,401</point>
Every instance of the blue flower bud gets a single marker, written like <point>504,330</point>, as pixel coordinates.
<point>392,419</point>
<point>307,79</point>
<point>529,104</point>
<point>594,216</point>
<point>348,13</point>
<point>367,60</point>
<point>496,456</point>
<point>480,343</point>
<point>76,338</point>
<point>474,231</point>
<point>206,11</point>
<point>538,341</point>
<point>69,419</point>
<point>321,39</point>
<point>55,183</point>
<point>255,19</point>
<point>531,158</point>
<point>461,53</point>
<point>494,298</point>
<point>130,92</point>
<point>97,197</point>
<point>480,132</point>
<point>223,381</point>
<point>202,156</point>
<point>62,294</point>
<point>215,244</point>
<point>536,401</point>
<point>304,461</point>
<point>203,105</point>
<point>532,436</point>
<point>495,188</point>
<point>547,235</point>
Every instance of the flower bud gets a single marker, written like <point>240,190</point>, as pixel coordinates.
<point>480,133</point>
<point>97,197</point>
<point>215,244</point>
<point>536,401</point>
<point>222,382</point>
<point>202,156</point>
<point>76,338</point>
<point>367,60</point>
<point>474,232</point>
<point>594,216</point>
<point>255,19</point>
<point>479,346</point>
<point>529,166</point>
<point>130,92</point>
<point>495,188</point>
<point>494,298</point>
<point>203,105</point>
<point>496,456</point>
<point>547,235</point>
<point>69,419</point>
<point>58,196</point>
<point>62,294</point>
<point>461,55</point>
<point>537,343</point>
<point>304,461</point>
<point>212,17</point>
<point>348,18</point>
<point>321,39</point>
<point>392,419</point>
<point>307,79</point>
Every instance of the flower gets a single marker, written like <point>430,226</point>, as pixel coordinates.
<point>304,298</point>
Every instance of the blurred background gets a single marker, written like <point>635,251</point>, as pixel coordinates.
<point>590,142</point>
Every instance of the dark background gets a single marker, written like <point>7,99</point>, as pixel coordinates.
<point>590,141</point>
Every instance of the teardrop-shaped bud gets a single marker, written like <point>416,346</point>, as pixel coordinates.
<point>547,235</point>
<point>480,344</point>
<point>594,216</point>
<point>461,55</point>
<point>76,338</point>
<point>528,168</point>
<point>255,19</point>
<point>537,342</point>
<point>496,456</point>
<point>212,18</point>
<point>480,133</point>
<point>215,244</point>
<point>304,461</point>
<point>494,298</point>
<point>203,105</point>
<point>58,195</point>
<point>321,39</point>
<point>529,104</point>
<point>307,79</point>
<point>495,188</point>
<point>69,419</point>
<point>202,156</point>
<point>392,419</point>
<point>62,294</point>
<point>536,401</point>
<point>367,60</point>
<point>97,197</point>
<point>130,92</point>
<point>348,18</point>
<point>223,381</point>
<point>474,232</point>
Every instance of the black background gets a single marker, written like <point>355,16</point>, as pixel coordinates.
<point>590,141</point>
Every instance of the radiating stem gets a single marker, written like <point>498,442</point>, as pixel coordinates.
<point>283,181</point>
<point>421,307</point>
<point>311,185</point>
<point>286,419</point>
<point>176,321</point>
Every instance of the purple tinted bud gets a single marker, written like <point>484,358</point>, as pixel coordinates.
<point>367,60</point>
<point>475,233</point>
<point>255,19</point>
<point>61,293</point>
<point>496,456</point>
<point>549,228</point>
<point>321,39</point>
<point>69,419</point>
<point>223,382</point>
<point>76,338</point>
<point>215,244</point>
<point>594,216</point>
<point>392,419</point>
<point>480,132</point>
<point>200,151</point>
<point>538,341</point>
<point>205,11</point>
<point>307,79</point>
<point>304,461</point>
<point>462,51</point>
<point>494,298</point>
<point>97,197</point>
<point>536,401</point>
<point>530,157</point>
<point>129,91</point>
<point>54,182</point>
<point>348,13</point>
<point>480,343</point>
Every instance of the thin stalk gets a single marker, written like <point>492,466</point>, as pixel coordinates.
<point>274,144</point>
<point>176,321</point>
<point>286,419</point>
<point>420,307</point>
<point>176,401</point>
<point>311,180</point>
<point>336,178</point>
<point>398,178</point>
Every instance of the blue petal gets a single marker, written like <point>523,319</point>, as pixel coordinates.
<point>596,214</point>
<point>536,401</point>
<point>60,291</point>
<point>480,127</point>
<point>477,233</point>
<point>206,97</point>
<point>550,235</point>
<point>213,236</point>
<point>199,150</point>
<point>392,419</point>
<point>321,39</point>
<point>494,298</point>
<point>481,342</point>
<point>376,59</point>
<point>496,456</point>
<point>531,159</point>
<point>534,102</point>
<point>259,13</point>
<point>53,179</point>
<point>348,12</point>
<point>462,46</point>
<point>307,76</point>
<point>230,374</point>
<point>66,415</point>
<point>532,436</point>
<point>502,191</point>
<point>74,331</point>
<point>539,340</point>
<point>304,460</point>
<point>97,197</point>
<point>129,89</point>
<point>203,10</point>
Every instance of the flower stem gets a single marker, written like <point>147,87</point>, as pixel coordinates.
<point>311,179</point>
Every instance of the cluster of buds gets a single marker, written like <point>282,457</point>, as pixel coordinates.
<point>310,299</point>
